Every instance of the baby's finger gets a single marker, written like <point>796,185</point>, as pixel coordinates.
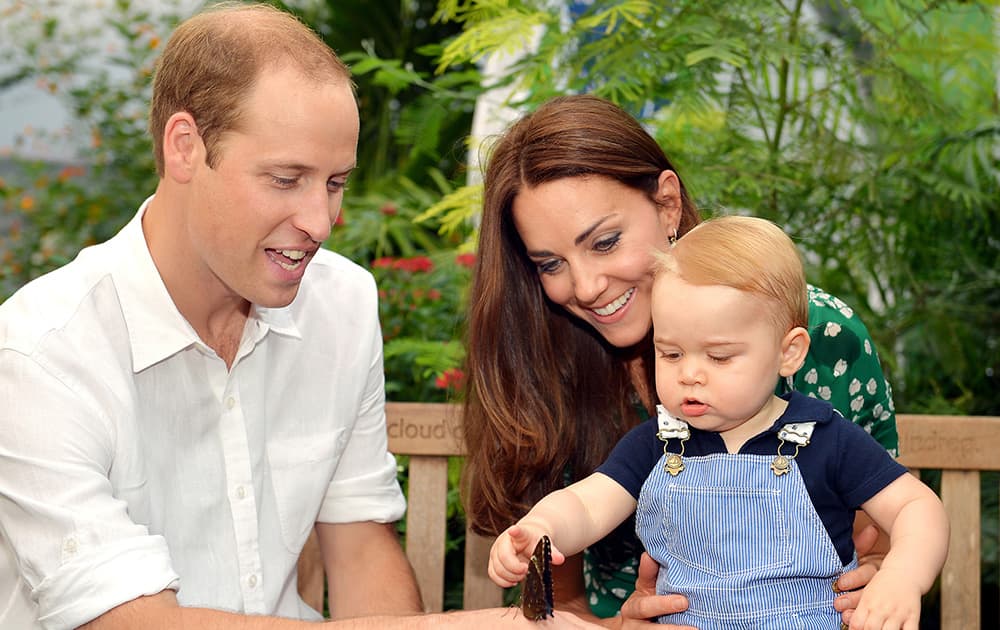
<point>504,576</point>
<point>558,557</point>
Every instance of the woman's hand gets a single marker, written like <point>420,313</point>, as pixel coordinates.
<point>644,604</point>
<point>871,546</point>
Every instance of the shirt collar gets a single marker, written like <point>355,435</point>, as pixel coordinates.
<point>278,320</point>
<point>157,330</point>
<point>802,408</point>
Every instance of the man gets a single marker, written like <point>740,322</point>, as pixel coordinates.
<point>183,403</point>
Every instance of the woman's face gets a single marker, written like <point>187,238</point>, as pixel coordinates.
<point>592,240</point>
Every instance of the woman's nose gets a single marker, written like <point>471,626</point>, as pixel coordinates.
<point>589,283</point>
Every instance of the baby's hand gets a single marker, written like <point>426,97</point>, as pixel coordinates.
<point>890,602</point>
<point>510,554</point>
<point>512,551</point>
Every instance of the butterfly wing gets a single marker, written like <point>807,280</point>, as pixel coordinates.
<point>536,592</point>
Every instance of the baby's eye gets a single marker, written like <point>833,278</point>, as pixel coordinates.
<point>670,356</point>
<point>719,358</point>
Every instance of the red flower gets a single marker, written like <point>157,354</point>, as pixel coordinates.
<point>466,260</point>
<point>383,263</point>
<point>389,209</point>
<point>415,264</point>
<point>450,378</point>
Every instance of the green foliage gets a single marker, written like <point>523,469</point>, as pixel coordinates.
<point>412,123</point>
<point>422,306</point>
<point>869,129</point>
<point>53,212</point>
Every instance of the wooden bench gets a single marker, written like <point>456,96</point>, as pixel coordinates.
<point>429,433</point>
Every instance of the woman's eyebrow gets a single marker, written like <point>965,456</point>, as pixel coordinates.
<point>590,230</point>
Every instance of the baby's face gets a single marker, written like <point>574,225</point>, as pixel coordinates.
<point>718,353</point>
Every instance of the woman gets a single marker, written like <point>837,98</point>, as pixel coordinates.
<point>577,196</point>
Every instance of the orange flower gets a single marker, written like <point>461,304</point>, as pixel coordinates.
<point>70,172</point>
<point>27,203</point>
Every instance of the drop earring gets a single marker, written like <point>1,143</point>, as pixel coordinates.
<point>672,239</point>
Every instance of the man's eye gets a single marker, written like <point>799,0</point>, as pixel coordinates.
<point>284,182</point>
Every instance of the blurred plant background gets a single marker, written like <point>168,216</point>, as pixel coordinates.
<point>869,128</point>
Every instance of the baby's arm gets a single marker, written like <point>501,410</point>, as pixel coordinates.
<point>918,534</point>
<point>573,518</point>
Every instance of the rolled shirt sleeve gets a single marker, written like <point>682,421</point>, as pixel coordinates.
<point>78,551</point>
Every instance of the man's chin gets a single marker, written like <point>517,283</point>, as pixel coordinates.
<point>278,299</point>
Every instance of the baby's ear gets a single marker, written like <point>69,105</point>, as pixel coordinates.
<point>794,347</point>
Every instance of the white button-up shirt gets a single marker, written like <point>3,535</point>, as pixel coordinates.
<point>132,460</point>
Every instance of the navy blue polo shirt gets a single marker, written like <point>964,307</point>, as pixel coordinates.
<point>842,466</point>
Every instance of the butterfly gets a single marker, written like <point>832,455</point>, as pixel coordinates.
<point>536,592</point>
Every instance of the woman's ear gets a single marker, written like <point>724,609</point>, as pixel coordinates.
<point>668,200</point>
<point>183,149</point>
<point>794,347</point>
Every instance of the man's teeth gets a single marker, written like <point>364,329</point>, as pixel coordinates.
<point>294,255</point>
<point>612,308</point>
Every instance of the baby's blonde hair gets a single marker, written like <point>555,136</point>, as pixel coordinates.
<point>746,253</point>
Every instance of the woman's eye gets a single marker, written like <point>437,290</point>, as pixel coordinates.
<point>607,244</point>
<point>547,266</point>
<point>336,186</point>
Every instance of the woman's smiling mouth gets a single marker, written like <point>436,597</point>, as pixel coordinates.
<point>612,308</point>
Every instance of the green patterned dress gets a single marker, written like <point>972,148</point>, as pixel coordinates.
<point>842,368</point>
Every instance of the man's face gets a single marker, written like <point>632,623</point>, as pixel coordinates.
<point>257,218</point>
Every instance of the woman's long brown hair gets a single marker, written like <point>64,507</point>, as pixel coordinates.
<point>546,395</point>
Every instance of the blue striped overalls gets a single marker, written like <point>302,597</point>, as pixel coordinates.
<point>743,544</point>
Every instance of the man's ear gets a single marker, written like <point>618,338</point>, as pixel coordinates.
<point>183,149</point>
<point>794,347</point>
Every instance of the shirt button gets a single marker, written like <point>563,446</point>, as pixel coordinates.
<point>70,546</point>
<point>241,492</point>
<point>230,402</point>
<point>252,581</point>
